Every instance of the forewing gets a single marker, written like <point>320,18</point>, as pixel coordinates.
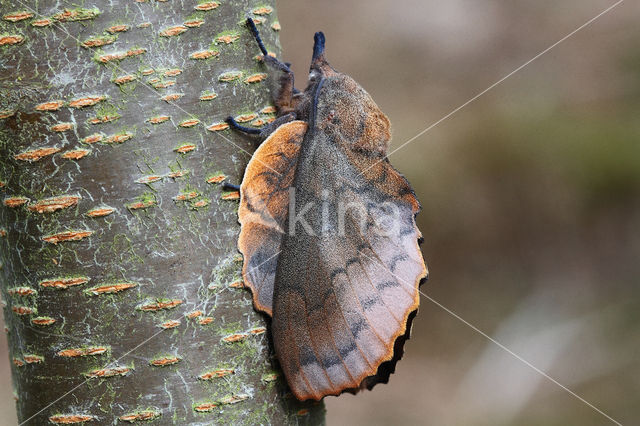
<point>345,292</point>
<point>264,203</point>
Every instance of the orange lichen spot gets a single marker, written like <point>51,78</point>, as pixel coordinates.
<point>61,127</point>
<point>80,352</point>
<point>264,10</point>
<point>227,38</point>
<point>172,97</point>
<point>200,203</point>
<point>144,25</point>
<point>183,149</point>
<point>125,79</point>
<point>246,117</point>
<point>140,416</point>
<point>302,412</point>
<point>269,119</point>
<point>68,419</point>
<point>78,14</point>
<point>177,174</point>
<point>260,58</point>
<point>118,29</point>
<point>194,23</point>
<point>216,374</point>
<point>110,289</point>
<point>17,16</point>
<point>276,26</point>
<point>232,195</point>
<point>259,20</point>
<point>22,310</point>
<point>108,57</point>
<point>100,211</point>
<point>255,78</point>
<point>170,324</point>
<point>76,154</point>
<point>141,205</point>
<point>210,5</point>
<point>96,137</point>
<point>189,123</point>
<point>103,119</point>
<point>258,330</point>
<point>45,22</point>
<point>86,101</point>
<point>158,119</point>
<point>15,201</point>
<point>21,291</point>
<point>230,76</point>
<point>98,41</point>
<point>204,54</point>
<point>160,305</point>
<point>173,31</point>
<point>2,184</point>
<point>33,359</point>
<point>7,40</point>
<point>6,113</point>
<point>165,361</point>
<point>208,96</point>
<point>107,372</point>
<point>64,283</point>
<point>163,84</point>
<point>49,205</point>
<point>216,179</point>
<point>49,106</point>
<point>36,154</point>
<point>194,314</point>
<point>205,320</point>
<point>18,362</point>
<point>3,232</point>
<point>237,284</point>
<point>154,80</point>
<point>43,321</point>
<point>66,236</point>
<point>186,196</point>
<point>119,138</point>
<point>216,127</point>
<point>205,407</point>
<point>149,179</point>
<point>237,337</point>
<point>172,72</point>
<point>259,122</point>
<point>148,71</point>
<point>234,399</point>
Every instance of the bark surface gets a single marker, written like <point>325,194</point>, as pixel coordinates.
<point>120,274</point>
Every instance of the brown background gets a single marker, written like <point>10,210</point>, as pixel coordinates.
<point>531,199</point>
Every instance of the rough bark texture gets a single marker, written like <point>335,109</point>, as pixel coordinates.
<point>118,244</point>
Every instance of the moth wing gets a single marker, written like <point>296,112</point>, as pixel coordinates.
<point>264,204</point>
<point>344,298</point>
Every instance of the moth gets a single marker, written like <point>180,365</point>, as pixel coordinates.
<point>328,233</point>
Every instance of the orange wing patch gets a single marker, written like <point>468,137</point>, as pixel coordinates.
<point>264,205</point>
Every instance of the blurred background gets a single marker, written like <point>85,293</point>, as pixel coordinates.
<point>531,202</point>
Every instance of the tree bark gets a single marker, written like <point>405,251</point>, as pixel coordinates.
<point>120,273</point>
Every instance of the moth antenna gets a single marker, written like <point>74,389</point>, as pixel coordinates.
<point>318,45</point>
<point>227,185</point>
<point>256,35</point>
<point>235,125</point>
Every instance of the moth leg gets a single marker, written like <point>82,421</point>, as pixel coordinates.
<point>230,186</point>
<point>266,130</point>
<point>236,126</point>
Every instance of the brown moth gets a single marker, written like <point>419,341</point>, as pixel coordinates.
<point>328,233</point>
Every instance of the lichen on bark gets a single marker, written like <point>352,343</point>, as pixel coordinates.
<point>120,274</point>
